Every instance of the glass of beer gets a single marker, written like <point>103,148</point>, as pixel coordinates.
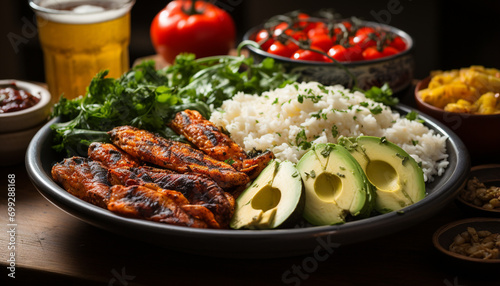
<point>81,38</point>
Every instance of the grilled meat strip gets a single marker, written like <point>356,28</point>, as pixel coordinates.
<point>85,179</point>
<point>206,136</point>
<point>111,156</point>
<point>175,155</point>
<point>198,189</point>
<point>164,206</point>
<point>253,166</point>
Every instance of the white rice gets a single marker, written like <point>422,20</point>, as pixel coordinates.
<point>274,120</point>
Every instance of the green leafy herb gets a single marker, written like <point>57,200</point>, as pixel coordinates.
<point>376,110</point>
<point>335,131</point>
<point>301,140</point>
<point>148,98</point>
<point>413,115</point>
<point>381,94</point>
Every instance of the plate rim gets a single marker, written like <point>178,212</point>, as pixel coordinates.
<point>345,233</point>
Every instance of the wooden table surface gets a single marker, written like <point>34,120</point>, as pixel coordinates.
<point>54,248</point>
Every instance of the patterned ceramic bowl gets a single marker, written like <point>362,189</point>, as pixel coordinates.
<point>396,70</point>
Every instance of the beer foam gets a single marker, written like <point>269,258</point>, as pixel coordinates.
<point>88,9</point>
<point>83,14</point>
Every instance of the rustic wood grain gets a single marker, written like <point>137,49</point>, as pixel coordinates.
<point>54,246</point>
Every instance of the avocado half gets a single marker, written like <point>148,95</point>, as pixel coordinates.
<point>396,176</point>
<point>275,199</point>
<point>335,185</point>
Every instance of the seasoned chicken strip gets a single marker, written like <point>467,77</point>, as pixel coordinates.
<point>164,206</point>
<point>204,135</point>
<point>211,140</point>
<point>111,156</point>
<point>85,179</point>
<point>175,155</point>
<point>198,189</point>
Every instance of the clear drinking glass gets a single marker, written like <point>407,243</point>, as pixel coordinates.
<point>79,39</point>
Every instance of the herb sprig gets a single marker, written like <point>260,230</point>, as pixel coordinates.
<point>148,98</point>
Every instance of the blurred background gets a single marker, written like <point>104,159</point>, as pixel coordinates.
<point>447,34</point>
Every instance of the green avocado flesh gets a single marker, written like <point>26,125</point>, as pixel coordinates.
<point>396,176</point>
<point>274,200</point>
<point>335,185</point>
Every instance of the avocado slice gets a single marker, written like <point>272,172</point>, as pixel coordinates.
<point>335,185</point>
<point>396,176</point>
<point>275,199</point>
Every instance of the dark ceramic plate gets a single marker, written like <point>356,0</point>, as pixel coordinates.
<point>251,243</point>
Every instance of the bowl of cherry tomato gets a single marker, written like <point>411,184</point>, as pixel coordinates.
<point>350,52</point>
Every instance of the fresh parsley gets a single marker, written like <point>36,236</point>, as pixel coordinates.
<point>148,98</point>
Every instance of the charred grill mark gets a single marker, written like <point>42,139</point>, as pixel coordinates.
<point>145,203</point>
<point>211,140</point>
<point>209,133</point>
<point>197,189</point>
<point>175,155</point>
<point>87,180</point>
<point>110,155</point>
<point>186,120</point>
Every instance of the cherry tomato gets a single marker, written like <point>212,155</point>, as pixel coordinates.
<point>319,29</point>
<point>307,55</point>
<point>282,27</point>
<point>398,43</point>
<point>261,37</point>
<point>389,51</point>
<point>322,41</point>
<point>372,53</point>
<point>338,30</point>
<point>279,49</point>
<point>305,25</point>
<point>343,54</point>
<point>194,27</point>
<point>292,46</point>
<point>364,37</point>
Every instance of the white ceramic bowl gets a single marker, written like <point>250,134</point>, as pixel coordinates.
<point>29,117</point>
<point>18,128</point>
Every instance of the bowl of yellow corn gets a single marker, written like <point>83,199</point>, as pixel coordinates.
<point>467,100</point>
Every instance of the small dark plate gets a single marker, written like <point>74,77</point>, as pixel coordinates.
<point>445,235</point>
<point>490,176</point>
<point>40,158</point>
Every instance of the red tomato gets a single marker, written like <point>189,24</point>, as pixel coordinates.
<point>322,41</point>
<point>279,49</point>
<point>307,55</point>
<point>261,37</point>
<point>292,46</point>
<point>372,52</point>
<point>282,27</point>
<point>398,43</point>
<point>304,26</point>
<point>343,54</point>
<point>319,29</point>
<point>389,51</point>
<point>364,37</point>
<point>339,30</point>
<point>207,31</point>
